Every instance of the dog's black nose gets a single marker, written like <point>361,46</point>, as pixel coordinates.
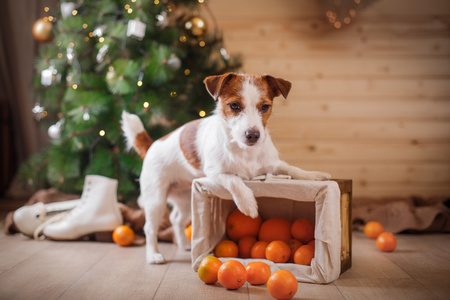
<point>252,136</point>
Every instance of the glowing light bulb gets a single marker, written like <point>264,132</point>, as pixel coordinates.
<point>202,113</point>
<point>101,133</point>
<point>139,83</point>
<point>146,104</point>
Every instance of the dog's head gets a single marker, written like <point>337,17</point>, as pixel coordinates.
<point>245,103</point>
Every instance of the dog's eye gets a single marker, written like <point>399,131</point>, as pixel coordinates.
<point>265,108</point>
<point>235,106</point>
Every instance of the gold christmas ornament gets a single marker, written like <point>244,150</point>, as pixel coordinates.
<point>195,27</point>
<point>42,30</point>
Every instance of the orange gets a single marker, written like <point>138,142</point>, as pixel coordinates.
<point>245,246</point>
<point>373,229</point>
<point>258,272</point>
<point>304,255</point>
<point>275,229</point>
<point>207,271</point>
<point>226,248</point>
<point>294,245</point>
<point>278,252</point>
<point>282,285</point>
<point>259,249</point>
<point>232,275</point>
<point>386,242</point>
<point>188,232</point>
<point>303,230</point>
<point>240,225</point>
<point>123,235</point>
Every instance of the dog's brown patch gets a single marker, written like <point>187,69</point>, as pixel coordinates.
<point>188,144</point>
<point>142,142</point>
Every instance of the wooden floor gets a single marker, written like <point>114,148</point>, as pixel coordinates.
<point>418,269</point>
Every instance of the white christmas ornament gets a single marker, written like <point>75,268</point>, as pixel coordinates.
<point>174,62</point>
<point>67,8</point>
<point>163,21</point>
<point>54,131</point>
<point>70,54</point>
<point>136,29</point>
<point>86,116</point>
<point>47,75</point>
<point>102,53</point>
<point>99,31</point>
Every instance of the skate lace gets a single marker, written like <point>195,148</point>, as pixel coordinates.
<point>39,230</point>
<point>38,233</point>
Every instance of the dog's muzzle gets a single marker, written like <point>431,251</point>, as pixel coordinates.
<point>252,137</point>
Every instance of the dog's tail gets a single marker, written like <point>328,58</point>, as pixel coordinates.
<point>135,134</point>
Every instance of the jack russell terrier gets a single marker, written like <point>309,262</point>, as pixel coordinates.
<point>228,147</point>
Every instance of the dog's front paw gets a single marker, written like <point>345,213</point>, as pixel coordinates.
<point>155,258</point>
<point>247,204</point>
<point>320,176</point>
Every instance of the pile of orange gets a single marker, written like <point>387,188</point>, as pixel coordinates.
<point>275,239</point>
<point>385,241</point>
<point>232,275</point>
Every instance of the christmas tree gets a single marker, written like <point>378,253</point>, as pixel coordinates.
<point>98,58</point>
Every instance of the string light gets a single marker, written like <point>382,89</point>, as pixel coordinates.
<point>202,44</point>
<point>75,86</point>
<point>139,83</point>
<point>156,2</point>
<point>173,94</point>
<point>201,1</point>
<point>101,133</point>
<point>202,113</point>
<point>85,25</point>
<point>50,18</point>
<point>74,12</point>
<point>183,39</point>
<point>60,55</point>
<point>146,104</point>
<point>130,10</point>
<point>101,39</point>
<point>127,6</point>
<point>46,9</point>
<point>187,72</point>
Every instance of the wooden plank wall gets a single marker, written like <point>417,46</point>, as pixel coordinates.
<point>370,101</point>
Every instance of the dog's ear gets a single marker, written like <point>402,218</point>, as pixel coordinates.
<point>278,85</point>
<point>215,84</point>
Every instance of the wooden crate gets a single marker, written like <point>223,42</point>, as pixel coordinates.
<point>345,186</point>
<point>290,199</point>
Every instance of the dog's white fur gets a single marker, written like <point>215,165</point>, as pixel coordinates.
<point>227,158</point>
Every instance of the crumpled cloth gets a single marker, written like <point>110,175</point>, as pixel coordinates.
<point>403,214</point>
<point>132,216</point>
<point>318,201</point>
